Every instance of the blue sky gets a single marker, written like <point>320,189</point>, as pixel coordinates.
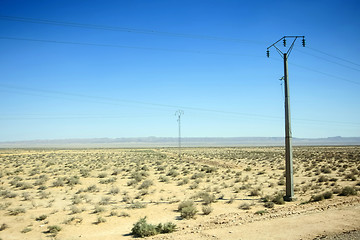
<point>86,69</point>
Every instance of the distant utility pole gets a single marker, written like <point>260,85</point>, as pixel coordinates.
<point>178,114</point>
<point>288,135</point>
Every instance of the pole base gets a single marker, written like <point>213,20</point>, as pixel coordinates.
<point>289,198</point>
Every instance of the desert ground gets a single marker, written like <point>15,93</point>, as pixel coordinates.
<point>207,193</point>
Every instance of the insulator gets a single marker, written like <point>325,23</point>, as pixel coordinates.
<point>284,42</point>
<point>303,42</point>
<point>267,53</point>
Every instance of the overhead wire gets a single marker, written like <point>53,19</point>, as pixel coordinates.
<point>123,29</point>
<point>159,105</point>
<point>121,46</point>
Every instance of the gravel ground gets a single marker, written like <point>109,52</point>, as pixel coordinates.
<point>352,235</point>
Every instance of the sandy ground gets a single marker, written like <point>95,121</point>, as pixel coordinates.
<point>293,223</point>
<point>67,186</point>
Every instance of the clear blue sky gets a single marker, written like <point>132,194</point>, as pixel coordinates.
<point>87,69</point>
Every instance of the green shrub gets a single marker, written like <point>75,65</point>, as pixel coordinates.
<point>187,209</point>
<point>166,228</point>
<point>207,198</point>
<point>137,205</point>
<point>348,191</point>
<point>327,195</point>
<point>278,199</point>
<point>146,184</point>
<point>41,217</point>
<point>16,211</point>
<point>54,229</point>
<point>3,226</point>
<point>245,206</point>
<point>261,212</point>
<point>100,220</point>
<point>25,230</point>
<point>188,212</point>
<point>269,204</point>
<point>186,203</point>
<point>317,198</point>
<point>207,209</point>
<point>144,229</point>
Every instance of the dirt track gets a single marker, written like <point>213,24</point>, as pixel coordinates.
<point>310,221</point>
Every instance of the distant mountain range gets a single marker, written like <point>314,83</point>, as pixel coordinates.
<point>145,142</point>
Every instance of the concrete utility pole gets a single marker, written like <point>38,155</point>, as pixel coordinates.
<point>178,114</point>
<point>288,134</point>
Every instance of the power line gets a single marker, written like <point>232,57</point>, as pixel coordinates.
<point>333,56</point>
<point>326,74</point>
<point>164,49</point>
<point>153,32</point>
<point>330,61</point>
<point>121,46</point>
<point>114,101</point>
<point>124,29</point>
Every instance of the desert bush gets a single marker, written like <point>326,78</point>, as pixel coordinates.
<point>327,195</point>
<point>54,229</point>
<point>26,230</point>
<point>3,226</point>
<point>166,228</point>
<point>198,175</point>
<point>348,191</point>
<point>114,190</point>
<point>92,188</point>
<point>322,178</point>
<point>108,180</point>
<point>73,180</point>
<point>207,198</point>
<point>350,176</point>
<point>207,209</point>
<point>164,179</point>
<point>261,212</point>
<point>84,173</point>
<point>244,206</point>
<point>58,183</point>
<point>7,194</point>
<point>105,201</point>
<point>75,210</point>
<point>102,175</point>
<point>76,199</point>
<point>194,185</point>
<point>144,229</point>
<point>317,198</point>
<point>187,209</point>
<point>98,209</point>
<point>75,219</point>
<point>281,182</point>
<point>208,169</point>
<point>255,192</point>
<point>41,217</point>
<point>26,196</point>
<point>16,211</point>
<point>326,169</point>
<point>100,220</point>
<point>137,205</point>
<point>269,204</point>
<point>146,184</point>
<point>172,173</point>
<point>248,169</point>
<point>278,199</point>
<point>123,214</point>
